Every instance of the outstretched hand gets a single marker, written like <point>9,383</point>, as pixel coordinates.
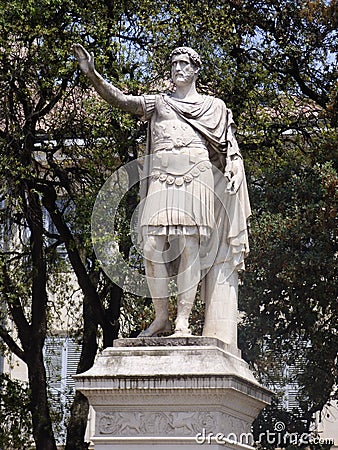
<point>85,59</point>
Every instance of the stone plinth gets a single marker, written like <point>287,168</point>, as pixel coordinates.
<point>171,393</point>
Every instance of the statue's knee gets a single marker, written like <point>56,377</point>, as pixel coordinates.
<point>191,241</point>
<point>152,246</point>
<point>190,246</point>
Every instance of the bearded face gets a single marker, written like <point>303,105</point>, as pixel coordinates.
<point>183,72</point>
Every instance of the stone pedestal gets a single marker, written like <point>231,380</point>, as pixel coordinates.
<point>172,393</point>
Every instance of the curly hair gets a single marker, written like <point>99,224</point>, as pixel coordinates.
<point>193,55</point>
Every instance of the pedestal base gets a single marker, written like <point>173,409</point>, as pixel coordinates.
<point>172,393</point>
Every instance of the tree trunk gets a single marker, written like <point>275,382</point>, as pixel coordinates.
<point>77,424</point>
<point>79,412</point>
<point>42,424</point>
<point>33,344</point>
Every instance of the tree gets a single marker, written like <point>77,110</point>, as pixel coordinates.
<point>289,288</point>
<point>43,177</point>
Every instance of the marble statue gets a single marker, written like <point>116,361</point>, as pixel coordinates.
<point>195,202</point>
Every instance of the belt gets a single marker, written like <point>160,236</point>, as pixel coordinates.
<point>180,173</point>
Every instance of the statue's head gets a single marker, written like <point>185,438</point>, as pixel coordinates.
<point>185,66</point>
<point>194,57</point>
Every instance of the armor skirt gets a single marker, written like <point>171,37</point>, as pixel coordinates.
<point>180,197</point>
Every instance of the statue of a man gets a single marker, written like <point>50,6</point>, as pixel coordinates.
<point>194,204</point>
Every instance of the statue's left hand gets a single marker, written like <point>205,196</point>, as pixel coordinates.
<point>235,183</point>
<point>236,178</point>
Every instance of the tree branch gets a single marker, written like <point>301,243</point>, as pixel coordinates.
<point>294,71</point>
<point>33,213</point>
<point>42,111</point>
<point>11,344</point>
<point>15,308</point>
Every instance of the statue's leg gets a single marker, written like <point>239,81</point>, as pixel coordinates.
<point>187,282</point>
<point>157,278</point>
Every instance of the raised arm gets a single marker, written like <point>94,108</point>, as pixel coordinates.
<point>107,91</point>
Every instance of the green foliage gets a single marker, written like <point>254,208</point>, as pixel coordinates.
<point>289,291</point>
<point>16,423</point>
